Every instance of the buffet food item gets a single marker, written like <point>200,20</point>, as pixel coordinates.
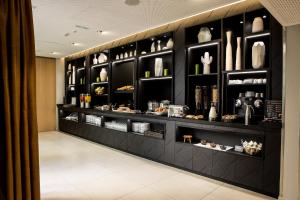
<point>229,118</point>
<point>103,108</point>
<point>126,88</point>
<point>212,145</point>
<point>222,147</point>
<point>252,147</point>
<point>99,91</point>
<point>197,117</point>
<point>203,142</point>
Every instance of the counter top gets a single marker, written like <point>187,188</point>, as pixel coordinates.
<point>262,126</point>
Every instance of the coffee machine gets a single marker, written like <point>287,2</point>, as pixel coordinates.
<point>249,98</point>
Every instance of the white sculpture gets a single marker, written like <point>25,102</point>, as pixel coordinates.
<point>206,60</point>
<point>228,63</point>
<point>257,25</point>
<point>170,44</point>
<point>258,55</point>
<point>204,35</point>
<point>121,56</point>
<point>102,58</point>
<point>158,70</point>
<point>125,55</point>
<point>238,60</point>
<point>130,54</point>
<point>153,47</point>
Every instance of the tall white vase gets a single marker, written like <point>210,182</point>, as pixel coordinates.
<point>238,59</point>
<point>228,64</point>
<point>103,75</point>
<point>73,75</point>
<point>158,70</point>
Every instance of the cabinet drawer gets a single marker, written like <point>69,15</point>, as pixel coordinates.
<point>154,148</point>
<point>135,144</point>
<point>202,160</point>
<point>223,165</point>
<point>184,155</point>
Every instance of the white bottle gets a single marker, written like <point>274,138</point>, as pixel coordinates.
<point>153,47</point>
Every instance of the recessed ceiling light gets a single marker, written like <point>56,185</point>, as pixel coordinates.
<point>132,2</point>
<point>265,16</point>
<point>75,44</point>
<point>131,45</point>
<point>54,53</point>
<point>211,28</point>
<point>241,22</point>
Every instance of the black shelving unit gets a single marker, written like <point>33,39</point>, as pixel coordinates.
<point>156,88</point>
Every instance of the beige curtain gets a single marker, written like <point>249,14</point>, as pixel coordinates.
<point>19,164</point>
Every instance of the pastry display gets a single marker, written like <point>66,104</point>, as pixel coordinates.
<point>212,145</point>
<point>196,117</point>
<point>252,147</point>
<point>229,118</point>
<point>103,108</point>
<point>126,88</point>
<point>223,147</point>
<point>99,91</point>
<point>204,142</point>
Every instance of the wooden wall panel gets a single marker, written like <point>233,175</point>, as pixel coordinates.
<point>46,93</point>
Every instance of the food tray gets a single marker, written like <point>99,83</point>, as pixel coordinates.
<point>216,148</point>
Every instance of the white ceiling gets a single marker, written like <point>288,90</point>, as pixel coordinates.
<point>287,12</point>
<point>54,18</point>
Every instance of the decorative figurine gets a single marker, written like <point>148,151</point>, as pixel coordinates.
<point>158,70</point>
<point>204,35</point>
<point>257,25</point>
<point>95,61</point>
<point>102,58</point>
<point>258,55</point>
<point>158,45</point>
<point>170,44</point>
<point>153,47</point>
<point>206,60</point>
<point>125,55</point>
<point>130,54</point>
<point>117,57</point>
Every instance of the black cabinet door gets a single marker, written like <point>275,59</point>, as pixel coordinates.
<point>184,155</point>
<point>135,144</point>
<point>120,140</point>
<point>223,165</point>
<point>202,160</point>
<point>68,126</point>
<point>249,172</point>
<point>154,148</point>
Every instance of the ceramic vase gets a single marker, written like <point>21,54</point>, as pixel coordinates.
<point>95,61</point>
<point>170,44</point>
<point>103,75</point>
<point>117,57</point>
<point>102,58</point>
<point>153,47</point>
<point>204,35</point>
<point>125,55</point>
<point>206,60</point>
<point>70,67</point>
<point>73,75</point>
<point>258,55</point>
<point>238,59</point>
<point>121,56</point>
<point>158,70</point>
<point>158,45</point>
<point>212,116</point>
<point>70,79</point>
<point>228,62</point>
<point>257,25</point>
<point>134,53</point>
<point>130,54</point>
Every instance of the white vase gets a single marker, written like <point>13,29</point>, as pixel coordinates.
<point>117,57</point>
<point>121,56</point>
<point>134,53</point>
<point>73,75</point>
<point>102,58</point>
<point>158,45</point>
<point>130,54</point>
<point>206,60</point>
<point>258,55</point>
<point>158,70</point>
<point>257,25</point>
<point>153,47</point>
<point>204,35</point>
<point>70,79</point>
<point>228,63</point>
<point>95,61</point>
<point>125,55</point>
<point>238,59</point>
<point>170,44</point>
<point>70,67</point>
<point>103,75</point>
<point>212,113</point>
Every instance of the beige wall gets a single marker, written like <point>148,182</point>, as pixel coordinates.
<point>60,82</point>
<point>46,93</point>
<point>291,139</point>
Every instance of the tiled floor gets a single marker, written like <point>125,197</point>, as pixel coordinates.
<point>72,168</point>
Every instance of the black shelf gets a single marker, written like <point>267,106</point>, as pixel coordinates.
<point>100,65</point>
<point>263,70</point>
<point>130,59</point>
<point>100,83</point>
<point>241,85</point>
<point>123,92</point>
<point>157,78</point>
<point>203,75</point>
<point>204,44</point>
<point>257,35</point>
<point>102,95</point>
<point>156,54</point>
